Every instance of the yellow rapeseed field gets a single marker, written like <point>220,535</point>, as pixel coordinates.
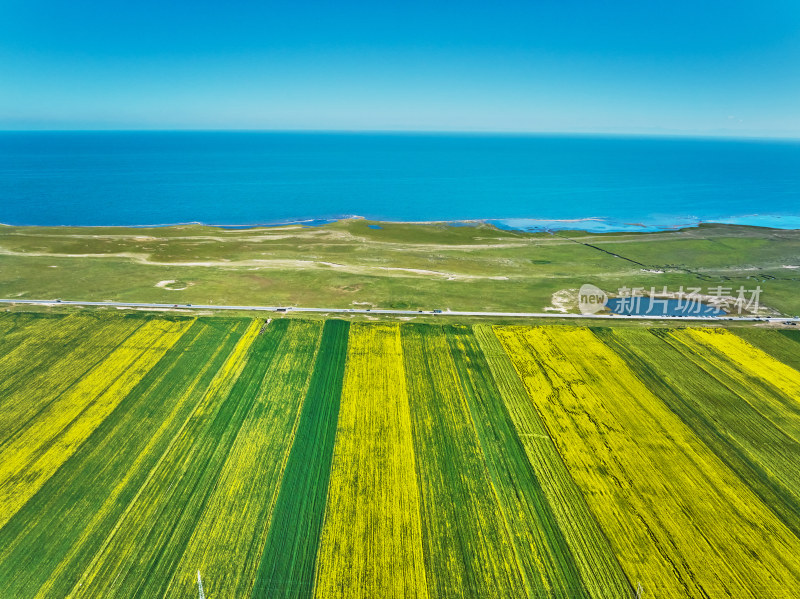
<point>32,456</point>
<point>140,531</point>
<point>41,374</point>
<point>679,520</point>
<point>371,544</point>
<point>372,459</point>
<point>766,384</point>
<point>600,572</point>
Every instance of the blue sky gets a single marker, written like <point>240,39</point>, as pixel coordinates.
<point>678,67</point>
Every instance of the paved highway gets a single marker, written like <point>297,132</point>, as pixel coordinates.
<point>51,302</point>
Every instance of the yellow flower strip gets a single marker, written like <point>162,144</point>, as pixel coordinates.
<point>31,457</point>
<point>676,516</point>
<point>38,334</point>
<point>21,331</point>
<point>104,573</point>
<point>371,542</point>
<point>16,328</point>
<point>720,409</point>
<point>227,542</point>
<point>599,569</point>
<point>780,344</point>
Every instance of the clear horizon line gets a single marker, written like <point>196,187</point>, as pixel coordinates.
<point>464,132</point>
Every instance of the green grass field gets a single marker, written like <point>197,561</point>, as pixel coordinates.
<point>407,266</point>
<point>323,458</point>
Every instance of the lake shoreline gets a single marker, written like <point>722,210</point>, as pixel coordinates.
<point>528,225</point>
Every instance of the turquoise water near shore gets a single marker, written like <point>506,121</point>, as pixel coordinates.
<point>524,182</point>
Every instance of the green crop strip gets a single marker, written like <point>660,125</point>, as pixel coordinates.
<point>40,376</point>
<point>793,335</point>
<point>238,511</point>
<point>19,329</point>
<point>762,392</point>
<point>290,553</point>
<point>152,534</point>
<point>468,550</point>
<point>297,458</point>
<point>542,552</point>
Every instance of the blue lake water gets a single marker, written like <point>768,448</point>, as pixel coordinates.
<point>243,178</point>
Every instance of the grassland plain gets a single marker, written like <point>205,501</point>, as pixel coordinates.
<point>414,266</point>
<point>311,458</point>
<point>625,448</point>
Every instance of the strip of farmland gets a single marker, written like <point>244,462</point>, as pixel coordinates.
<point>783,345</point>
<point>371,544</point>
<point>761,454</point>
<point>753,362</point>
<point>763,394</point>
<point>145,547</point>
<point>310,458</point>
<point>544,558</point>
<point>599,570</point>
<point>468,549</point>
<point>32,340</point>
<point>41,379</point>
<point>289,558</point>
<point>32,455</point>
